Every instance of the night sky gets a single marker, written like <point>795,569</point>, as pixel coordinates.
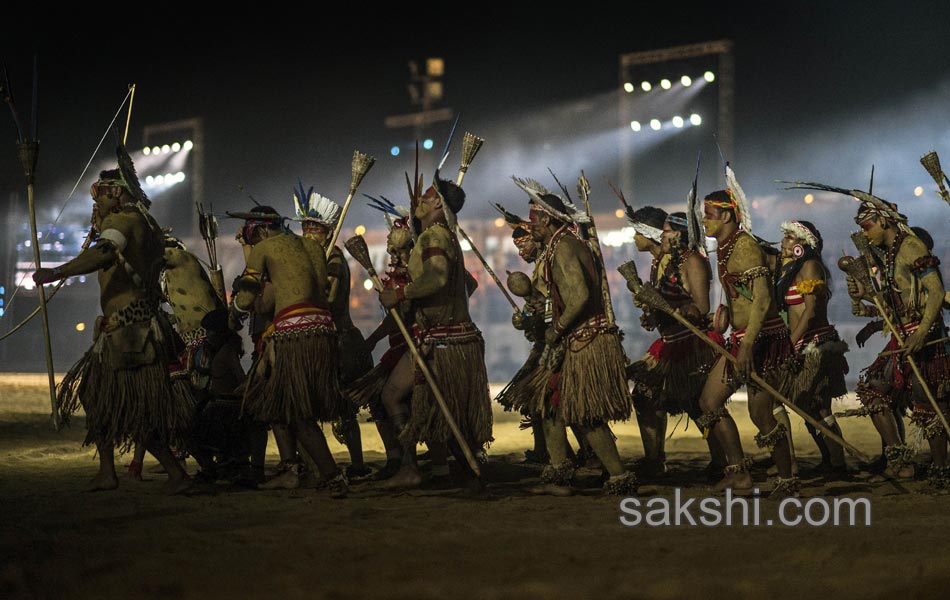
<point>823,91</point>
<point>286,96</point>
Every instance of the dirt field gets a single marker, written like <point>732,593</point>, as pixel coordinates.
<point>135,543</point>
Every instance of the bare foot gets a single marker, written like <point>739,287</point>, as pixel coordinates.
<point>103,481</point>
<point>177,485</point>
<point>740,481</point>
<point>133,476</point>
<point>288,479</point>
<point>405,477</point>
<point>892,472</point>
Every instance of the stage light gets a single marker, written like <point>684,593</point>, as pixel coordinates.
<point>367,284</point>
<point>80,326</point>
<point>686,80</point>
<point>156,150</point>
<point>665,84</point>
<point>176,147</point>
<point>918,191</point>
<point>677,121</point>
<point>360,230</point>
<point>645,86</point>
<point>428,143</point>
<point>394,150</point>
<point>628,87</point>
<point>635,125</point>
<point>159,180</point>
<point>619,213</point>
<point>179,176</point>
<point>708,76</point>
<point>695,119</point>
<point>809,198</point>
<point>149,180</point>
<point>755,204</point>
<point>166,149</point>
<point>188,145</point>
<point>499,222</point>
<point>146,151</point>
<point>655,124</point>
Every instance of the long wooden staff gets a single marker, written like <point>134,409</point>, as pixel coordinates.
<point>471,144</point>
<point>866,280</point>
<point>361,165</point>
<point>28,151</point>
<point>356,246</point>
<point>647,295</point>
<point>583,189</point>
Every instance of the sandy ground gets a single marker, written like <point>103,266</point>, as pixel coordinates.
<point>56,542</point>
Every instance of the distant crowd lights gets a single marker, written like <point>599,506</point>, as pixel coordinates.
<point>168,148</point>
<point>677,122</point>
<point>666,84</point>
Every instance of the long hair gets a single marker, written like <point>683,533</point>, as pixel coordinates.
<point>788,272</point>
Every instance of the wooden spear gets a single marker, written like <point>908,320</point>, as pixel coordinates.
<point>647,295</point>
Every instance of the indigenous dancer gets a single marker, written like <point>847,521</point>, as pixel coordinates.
<point>581,377</point>
<point>294,383</point>
<point>518,395</point>
<point>758,339</point>
<point>318,217</point>
<point>802,292</point>
<point>367,391</point>
<point>122,382</point>
<point>452,345</point>
<point>912,291</point>
<point>670,377</point>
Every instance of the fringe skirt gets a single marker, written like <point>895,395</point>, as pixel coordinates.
<point>296,375</point>
<point>817,377</point>
<point>520,394</point>
<point>671,375</point>
<point>122,384</point>
<point>771,353</point>
<point>367,390</point>
<point>456,357</point>
<point>354,358</point>
<point>590,385</point>
<point>890,382</point>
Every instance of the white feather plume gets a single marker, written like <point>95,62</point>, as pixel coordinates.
<point>745,216</point>
<point>328,210</point>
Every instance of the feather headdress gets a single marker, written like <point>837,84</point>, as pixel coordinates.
<point>871,205</point>
<point>318,209</point>
<point>549,203</point>
<point>740,204</point>
<point>694,215</point>
<point>396,216</point>
<point>654,234</point>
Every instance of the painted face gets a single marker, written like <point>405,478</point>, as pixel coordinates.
<point>428,203</point>
<point>789,242</point>
<point>670,238</point>
<point>315,231</point>
<point>527,248</point>
<point>713,219</point>
<point>106,200</point>
<point>537,222</point>
<point>873,231</point>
